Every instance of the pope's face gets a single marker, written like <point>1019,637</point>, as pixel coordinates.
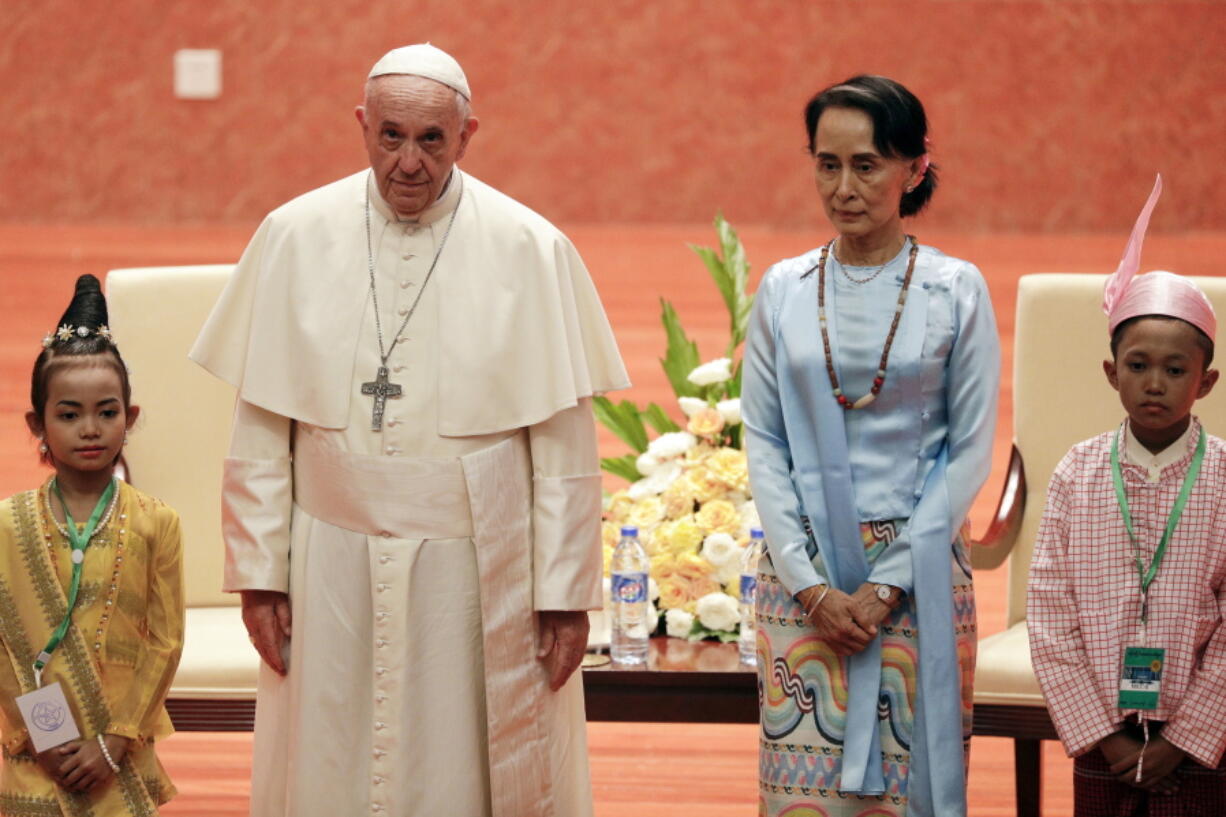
<point>414,133</point>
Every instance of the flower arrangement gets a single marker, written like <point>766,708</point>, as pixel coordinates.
<point>689,486</point>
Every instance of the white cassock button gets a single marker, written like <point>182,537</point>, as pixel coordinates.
<point>384,559</point>
<point>402,311</point>
<point>382,588</point>
<point>918,493</point>
<point>392,422</point>
<point>399,367</point>
<point>379,753</point>
<point>391,450</point>
<point>382,615</point>
<point>380,726</point>
<point>378,781</point>
<point>381,698</point>
<point>382,642</point>
<point>78,556</point>
<point>925,415</point>
<point>406,284</point>
<point>376,807</point>
<point>380,670</point>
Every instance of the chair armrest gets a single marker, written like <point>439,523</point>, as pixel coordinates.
<point>992,550</point>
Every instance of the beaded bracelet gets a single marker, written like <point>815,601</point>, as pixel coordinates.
<point>106,754</point>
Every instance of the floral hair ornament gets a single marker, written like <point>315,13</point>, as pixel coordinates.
<point>67,331</point>
<point>1127,295</point>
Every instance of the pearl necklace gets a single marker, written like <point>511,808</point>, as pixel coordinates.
<point>879,380</point>
<point>106,517</point>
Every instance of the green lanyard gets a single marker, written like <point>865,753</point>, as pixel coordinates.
<point>79,541</point>
<point>1147,576</point>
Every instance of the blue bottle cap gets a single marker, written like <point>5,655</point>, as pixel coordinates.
<point>756,533</point>
<point>630,530</point>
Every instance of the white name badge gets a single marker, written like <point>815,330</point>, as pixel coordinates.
<point>48,718</point>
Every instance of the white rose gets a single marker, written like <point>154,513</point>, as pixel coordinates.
<point>720,550</point>
<point>691,405</point>
<point>730,410</point>
<point>749,516</point>
<point>718,611</point>
<point>657,483</point>
<point>713,371</point>
<point>647,463</point>
<point>671,445</point>
<point>678,623</point>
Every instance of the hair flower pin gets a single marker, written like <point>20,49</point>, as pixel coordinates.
<point>64,332</point>
<point>48,339</point>
<point>104,331</point>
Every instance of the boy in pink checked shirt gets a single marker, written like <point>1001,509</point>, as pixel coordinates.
<point>1127,589</point>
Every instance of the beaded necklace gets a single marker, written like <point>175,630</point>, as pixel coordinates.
<point>889,338</point>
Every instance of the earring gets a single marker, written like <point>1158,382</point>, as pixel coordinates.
<point>910,188</point>
<point>125,438</point>
<point>42,448</point>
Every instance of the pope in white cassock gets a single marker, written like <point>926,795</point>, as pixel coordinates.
<point>412,496</point>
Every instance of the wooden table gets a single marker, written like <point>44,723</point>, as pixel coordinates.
<point>681,682</point>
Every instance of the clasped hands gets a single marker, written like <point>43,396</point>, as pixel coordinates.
<point>79,766</point>
<point>847,622</point>
<point>1157,773</point>
<point>562,634</point>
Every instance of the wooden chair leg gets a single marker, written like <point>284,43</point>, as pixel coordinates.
<point>1028,777</point>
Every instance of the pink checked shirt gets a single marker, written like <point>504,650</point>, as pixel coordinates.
<point>1084,603</point>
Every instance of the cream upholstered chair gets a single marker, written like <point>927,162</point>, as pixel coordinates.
<point>1060,397</point>
<point>175,453</point>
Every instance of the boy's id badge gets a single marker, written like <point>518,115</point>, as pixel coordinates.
<point>1141,677</point>
<point>48,718</point>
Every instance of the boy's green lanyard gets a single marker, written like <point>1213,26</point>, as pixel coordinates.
<point>79,541</point>
<point>1147,575</point>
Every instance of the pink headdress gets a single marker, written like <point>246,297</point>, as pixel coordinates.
<point>1155,293</point>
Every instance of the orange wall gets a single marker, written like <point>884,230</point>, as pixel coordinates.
<point>1048,116</point>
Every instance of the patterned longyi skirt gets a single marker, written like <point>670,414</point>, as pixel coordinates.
<point>802,695</point>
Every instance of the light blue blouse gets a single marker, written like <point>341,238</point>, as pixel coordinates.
<point>940,389</point>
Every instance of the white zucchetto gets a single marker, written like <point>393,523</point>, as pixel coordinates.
<point>423,60</point>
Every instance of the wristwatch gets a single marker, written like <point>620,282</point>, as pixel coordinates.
<point>885,593</point>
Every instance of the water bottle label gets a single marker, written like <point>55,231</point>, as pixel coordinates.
<point>629,587</point>
<point>748,585</point>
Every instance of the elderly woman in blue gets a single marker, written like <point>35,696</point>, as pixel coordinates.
<point>870,398</point>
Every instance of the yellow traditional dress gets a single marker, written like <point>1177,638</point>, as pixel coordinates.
<point>117,659</point>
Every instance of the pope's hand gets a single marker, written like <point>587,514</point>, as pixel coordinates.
<point>266,614</point>
<point>563,640</point>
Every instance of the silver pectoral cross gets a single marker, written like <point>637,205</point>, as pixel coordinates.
<point>381,389</point>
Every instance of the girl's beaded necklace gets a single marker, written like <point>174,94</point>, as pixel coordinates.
<point>879,379</point>
<point>106,517</point>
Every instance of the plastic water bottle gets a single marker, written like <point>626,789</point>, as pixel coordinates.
<point>629,599</point>
<point>748,640</point>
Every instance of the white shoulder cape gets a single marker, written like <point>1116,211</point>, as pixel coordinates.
<point>523,333</point>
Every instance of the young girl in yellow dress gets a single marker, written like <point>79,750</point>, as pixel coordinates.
<point>90,591</point>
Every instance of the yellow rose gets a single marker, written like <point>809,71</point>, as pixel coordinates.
<point>694,567</point>
<point>678,499</point>
<point>719,516</point>
<point>684,537</point>
<point>705,486</point>
<point>674,593</point>
<point>730,466</point>
<point>706,423</point>
<point>618,507</point>
<point>646,513</point>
